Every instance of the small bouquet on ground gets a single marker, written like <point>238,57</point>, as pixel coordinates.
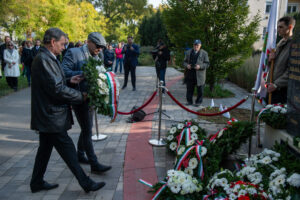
<point>184,134</point>
<point>178,185</point>
<point>274,115</point>
<point>103,90</point>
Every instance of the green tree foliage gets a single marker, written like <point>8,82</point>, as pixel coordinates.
<point>226,32</point>
<point>77,19</point>
<point>122,16</point>
<point>151,29</point>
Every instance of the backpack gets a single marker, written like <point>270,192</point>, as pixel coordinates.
<point>137,116</point>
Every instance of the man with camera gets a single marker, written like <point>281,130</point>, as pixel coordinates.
<point>196,62</point>
<point>161,56</point>
<point>131,52</point>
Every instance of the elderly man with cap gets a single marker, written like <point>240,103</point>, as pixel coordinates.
<point>196,62</point>
<point>72,64</point>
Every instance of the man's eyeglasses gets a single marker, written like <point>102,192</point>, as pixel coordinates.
<point>100,46</point>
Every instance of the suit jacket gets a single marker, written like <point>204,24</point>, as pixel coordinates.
<point>202,61</point>
<point>50,96</point>
<point>131,56</point>
<point>35,51</point>
<point>72,64</point>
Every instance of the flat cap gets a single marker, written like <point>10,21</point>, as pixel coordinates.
<point>97,38</point>
<point>197,41</point>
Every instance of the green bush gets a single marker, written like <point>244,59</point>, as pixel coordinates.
<point>5,89</point>
<point>145,59</point>
<point>245,76</point>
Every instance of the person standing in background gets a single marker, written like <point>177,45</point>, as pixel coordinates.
<point>119,57</point>
<point>11,69</point>
<point>131,52</point>
<point>27,59</point>
<point>109,57</point>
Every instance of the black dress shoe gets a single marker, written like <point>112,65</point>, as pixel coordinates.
<point>133,89</point>
<point>124,86</point>
<point>93,186</point>
<point>188,104</point>
<point>97,169</point>
<point>83,159</point>
<point>44,186</point>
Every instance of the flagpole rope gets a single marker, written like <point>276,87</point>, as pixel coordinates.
<point>206,114</point>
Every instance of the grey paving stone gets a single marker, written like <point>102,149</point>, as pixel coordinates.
<point>105,194</point>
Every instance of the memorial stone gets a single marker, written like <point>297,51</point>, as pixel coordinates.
<point>293,103</point>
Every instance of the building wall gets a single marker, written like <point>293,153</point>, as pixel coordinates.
<point>259,7</point>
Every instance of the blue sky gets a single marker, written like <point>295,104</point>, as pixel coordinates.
<point>155,3</point>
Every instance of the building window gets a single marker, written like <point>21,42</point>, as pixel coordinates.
<point>268,7</point>
<point>264,33</point>
<point>292,8</point>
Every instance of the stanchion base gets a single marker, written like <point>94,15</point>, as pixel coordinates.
<point>99,137</point>
<point>158,143</point>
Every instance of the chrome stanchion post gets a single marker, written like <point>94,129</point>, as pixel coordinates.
<point>159,141</point>
<point>98,136</point>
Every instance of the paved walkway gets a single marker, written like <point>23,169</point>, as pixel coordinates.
<point>18,144</point>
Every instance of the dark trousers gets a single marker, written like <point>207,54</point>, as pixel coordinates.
<point>128,67</point>
<point>84,117</point>
<point>66,149</point>
<point>28,73</point>
<point>279,96</point>
<point>161,74</point>
<point>190,86</point>
<point>12,82</point>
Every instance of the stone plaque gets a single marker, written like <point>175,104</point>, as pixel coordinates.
<point>293,103</point>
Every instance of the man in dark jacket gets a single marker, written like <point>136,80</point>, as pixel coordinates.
<point>109,57</point>
<point>161,56</point>
<point>36,48</point>
<point>131,52</point>
<point>26,60</point>
<point>72,65</point>
<point>51,115</point>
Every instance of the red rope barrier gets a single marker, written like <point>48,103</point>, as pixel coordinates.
<point>205,114</point>
<point>143,106</point>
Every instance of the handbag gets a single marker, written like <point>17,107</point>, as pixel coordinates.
<point>137,116</point>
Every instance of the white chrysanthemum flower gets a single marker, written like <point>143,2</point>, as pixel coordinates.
<point>194,136</point>
<point>102,76</point>
<point>232,196</point>
<point>170,137</point>
<point>193,163</point>
<point>180,126</point>
<point>223,182</point>
<point>294,180</point>
<point>189,171</point>
<point>266,160</point>
<point>190,142</point>
<point>173,146</point>
<point>255,178</point>
<point>181,150</point>
<point>172,172</point>
<point>279,180</point>
<point>283,110</point>
<point>252,191</point>
<point>106,90</point>
<point>101,69</point>
<point>274,109</point>
<point>275,159</point>
<point>194,129</point>
<point>175,189</point>
<point>242,193</point>
<point>203,151</point>
<point>173,130</point>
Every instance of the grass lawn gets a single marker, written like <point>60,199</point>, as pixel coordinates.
<point>5,89</point>
<point>237,113</point>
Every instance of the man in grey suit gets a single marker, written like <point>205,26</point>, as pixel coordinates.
<point>72,64</point>
<point>196,62</point>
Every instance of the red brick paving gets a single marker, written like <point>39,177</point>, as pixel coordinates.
<point>139,160</point>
